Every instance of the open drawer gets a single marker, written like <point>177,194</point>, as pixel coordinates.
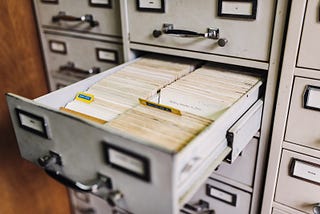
<point>122,168</point>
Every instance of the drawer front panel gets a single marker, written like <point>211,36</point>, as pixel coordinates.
<point>304,115</point>
<point>310,44</point>
<point>242,170</point>
<point>246,38</point>
<point>222,198</point>
<point>63,51</point>
<point>296,186</point>
<point>107,15</point>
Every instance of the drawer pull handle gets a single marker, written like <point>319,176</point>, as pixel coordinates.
<point>70,67</point>
<point>52,165</point>
<point>201,207</point>
<point>212,33</point>
<point>62,16</point>
<point>316,208</point>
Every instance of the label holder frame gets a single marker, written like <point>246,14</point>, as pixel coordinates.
<point>146,176</point>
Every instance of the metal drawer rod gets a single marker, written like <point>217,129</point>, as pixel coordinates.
<point>62,16</point>
<point>212,33</point>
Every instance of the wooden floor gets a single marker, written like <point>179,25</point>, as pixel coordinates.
<point>24,188</point>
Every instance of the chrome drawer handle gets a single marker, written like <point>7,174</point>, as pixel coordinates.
<point>316,208</point>
<point>212,33</point>
<point>62,16</point>
<point>70,67</point>
<point>52,165</point>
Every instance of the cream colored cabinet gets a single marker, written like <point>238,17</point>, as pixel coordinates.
<point>304,114</point>
<point>128,171</point>
<point>70,59</point>
<point>97,17</point>
<point>309,46</point>
<point>197,26</point>
<point>298,182</point>
<point>293,174</point>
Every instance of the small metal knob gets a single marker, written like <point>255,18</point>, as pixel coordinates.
<point>222,42</point>
<point>113,197</point>
<point>156,33</point>
<point>316,208</point>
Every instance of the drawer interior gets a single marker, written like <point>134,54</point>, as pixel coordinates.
<point>42,127</point>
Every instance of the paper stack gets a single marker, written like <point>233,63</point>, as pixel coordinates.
<point>208,91</point>
<point>120,91</point>
<point>161,128</point>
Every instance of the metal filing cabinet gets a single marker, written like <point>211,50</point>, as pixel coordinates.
<point>79,38</point>
<point>293,181</point>
<point>243,35</point>
<point>74,49</point>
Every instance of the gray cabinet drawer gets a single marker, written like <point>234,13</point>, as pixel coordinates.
<point>304,114</point>
<point>247,38</point>
<point>107,15</point>
<point>222,198</point>
<point>163,178</point>
<point>298,181</point>
<point>63,52</point>
<point>242,170</point>
<point>310,44</point>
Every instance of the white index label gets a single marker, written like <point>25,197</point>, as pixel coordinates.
<point>314,98</point>
<point>221,195</point>
<point>100,2</point>
<point>57,46</point>
<point>306,171</point>
<point>31,122</point>
<point>125,161</point>
<point>150,4</point>
<point>237,8</point>
<point>107,55</point>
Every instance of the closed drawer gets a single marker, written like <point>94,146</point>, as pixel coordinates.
<point>247,37</point>
<point>105,16</point>
<point>242,170</point>
<point>91,151</point>
<point>310,44</point>
<point>304,114</point>
<point>72,59</point>
<point>298,181</point>
<point>221,198</point>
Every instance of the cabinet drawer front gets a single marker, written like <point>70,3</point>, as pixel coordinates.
<point>310,44</point>
<point>222,198</point>
<point>304,115</point>
<point>85,54</point>
<point>297,187</point>
<point>246,38</point>
<point>242,170</point>
<point>107,15</point>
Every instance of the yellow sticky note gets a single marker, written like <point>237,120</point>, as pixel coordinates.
<point>85,97</point>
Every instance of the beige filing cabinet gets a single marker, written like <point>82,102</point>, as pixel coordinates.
<point>79,38</point>
<point>74,50</point>
<point>293,176</point>
<point>245,36</point>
